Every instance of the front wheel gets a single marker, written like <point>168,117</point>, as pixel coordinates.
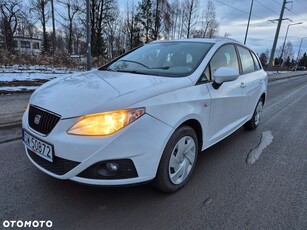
<point>178,160</point>
<point>254,122</point>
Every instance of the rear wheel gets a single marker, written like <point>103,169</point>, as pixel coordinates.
<point>254,122</point>
<point>178,160</point>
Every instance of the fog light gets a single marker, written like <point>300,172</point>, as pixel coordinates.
<point>112,167</point>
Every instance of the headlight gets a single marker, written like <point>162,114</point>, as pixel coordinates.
<point>102,124</point>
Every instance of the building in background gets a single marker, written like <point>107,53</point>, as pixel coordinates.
<point>26,45</point>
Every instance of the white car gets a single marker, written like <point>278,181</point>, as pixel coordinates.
<point>146,115</point>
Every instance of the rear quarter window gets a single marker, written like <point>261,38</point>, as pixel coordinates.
<point>257,63</point>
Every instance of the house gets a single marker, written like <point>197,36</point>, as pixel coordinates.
<point>26,45</point>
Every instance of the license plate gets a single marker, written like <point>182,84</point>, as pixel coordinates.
<point>39,147</point>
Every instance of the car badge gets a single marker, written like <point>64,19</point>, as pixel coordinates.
<point>37,119</point>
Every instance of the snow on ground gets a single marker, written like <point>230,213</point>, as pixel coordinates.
<point>18,88</point>
<point>17,78</point>
<point>9,77</point>
<point>33,69</point>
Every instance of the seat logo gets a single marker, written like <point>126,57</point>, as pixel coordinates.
<point>37,119</point>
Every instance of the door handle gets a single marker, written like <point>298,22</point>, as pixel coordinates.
<point>242,85</point>
<point>260,82</point>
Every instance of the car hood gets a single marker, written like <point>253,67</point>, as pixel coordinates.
<point>99,91</point>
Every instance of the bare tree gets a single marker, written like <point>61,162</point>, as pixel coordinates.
<point>10,15</point>
<point>210,23</point>
<point>53,27</point>
<point>175,19</point>
<point>131,30</point>
<point>288,50</point>
<point>190,15</point>
<point>162,18</point>
<point>145,19</point>
<point>282,54</point>
<point>111,30</point>
<point>73,7</point>
<point>101,13</point>
<point>26,26</point>
<point>39,7</point>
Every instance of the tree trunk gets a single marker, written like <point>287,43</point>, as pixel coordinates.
<point>53,28</point>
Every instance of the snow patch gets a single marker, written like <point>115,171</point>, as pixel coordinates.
<point>266,140</point>
<point>18,88</point>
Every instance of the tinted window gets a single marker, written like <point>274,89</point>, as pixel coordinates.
<point>225,57</point>
<point>246,60</point>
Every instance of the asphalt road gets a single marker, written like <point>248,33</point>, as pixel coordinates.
<point>225,192</point>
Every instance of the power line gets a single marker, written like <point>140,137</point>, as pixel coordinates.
<point>266,7</point>
<point>299,16</point>
<point>278,3</point>
<point>300,3</point>
<point>242,11</point>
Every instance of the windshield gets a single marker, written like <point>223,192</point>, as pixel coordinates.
<point>170,59</point>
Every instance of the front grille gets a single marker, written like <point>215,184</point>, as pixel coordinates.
<point>59,165</point>
<point>41,120</point>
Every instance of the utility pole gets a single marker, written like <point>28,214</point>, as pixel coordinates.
<point>283,46</point>
<point>298,54</point>
<point>249,18</point>
<point>88,36</point>
<point>277,33</point>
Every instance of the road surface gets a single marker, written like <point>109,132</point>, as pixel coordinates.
<point>225,191</point>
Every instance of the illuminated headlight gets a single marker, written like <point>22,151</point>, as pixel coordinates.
<point>103,124</point>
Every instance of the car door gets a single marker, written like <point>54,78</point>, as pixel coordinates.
<point>227,102</point>
<point>251,82</point>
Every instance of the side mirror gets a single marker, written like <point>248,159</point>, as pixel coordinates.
<point>224,74</point>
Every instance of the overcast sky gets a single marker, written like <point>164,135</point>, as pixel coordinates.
<point>262,31</point>
<point>233,16</point>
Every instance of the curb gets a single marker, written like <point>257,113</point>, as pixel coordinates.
<point>10,125</point>
<point>270,79</point>
<point>11,132</point>
<point>9,140</point>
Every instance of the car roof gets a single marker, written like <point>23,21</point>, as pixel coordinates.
<point>204,40</point>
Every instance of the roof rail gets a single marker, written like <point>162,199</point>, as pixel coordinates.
<point>225,38</point>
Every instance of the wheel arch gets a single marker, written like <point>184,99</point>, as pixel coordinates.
<point>196,126</point>
<point>263,97</point>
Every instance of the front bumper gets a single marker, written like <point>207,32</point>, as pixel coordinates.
<point>141,143</point>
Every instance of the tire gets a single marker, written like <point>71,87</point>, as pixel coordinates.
<point>178,160</point>
<point>254,122</point>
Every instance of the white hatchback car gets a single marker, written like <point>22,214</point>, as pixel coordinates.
<point>145,115</point>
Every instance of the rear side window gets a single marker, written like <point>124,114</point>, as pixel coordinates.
<point>246,60</point>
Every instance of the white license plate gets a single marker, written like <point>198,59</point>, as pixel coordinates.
<point>39,147</point>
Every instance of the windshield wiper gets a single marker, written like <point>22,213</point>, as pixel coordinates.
<point>161,67</point>
<point>107,69</point>
<point>139,63</point>
<point>136,72</point>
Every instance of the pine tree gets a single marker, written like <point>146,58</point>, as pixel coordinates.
<point>263,59</point>
<point>144,18</point>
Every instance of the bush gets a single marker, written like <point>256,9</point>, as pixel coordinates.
<point>59,60</point>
